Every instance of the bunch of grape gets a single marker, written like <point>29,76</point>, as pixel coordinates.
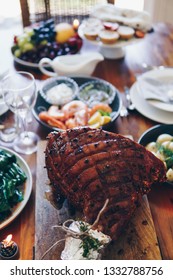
<point>44,33</point>
<point>39,41</point>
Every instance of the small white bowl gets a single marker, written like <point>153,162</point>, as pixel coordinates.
<point>59,90</point>
<point>98,91</point>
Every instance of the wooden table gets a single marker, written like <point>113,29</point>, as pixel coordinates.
<point>155,49</point>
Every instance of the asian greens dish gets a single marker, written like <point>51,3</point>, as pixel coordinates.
<point>12,179</point>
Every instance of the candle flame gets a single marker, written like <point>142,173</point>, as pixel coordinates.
<point>7,241</point>
<point>8,238</point>
<point>76,23</point>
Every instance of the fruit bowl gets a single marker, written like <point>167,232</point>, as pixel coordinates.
<point>42,40</point>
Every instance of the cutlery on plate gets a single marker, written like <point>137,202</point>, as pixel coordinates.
<point>130,105</point>
<point>154,89</point>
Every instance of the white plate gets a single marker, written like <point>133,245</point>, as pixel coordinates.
<point>3,107</point>
<point>3,72</point>
<point>165,75</point>
<point>147,110</point>
<point>4,69</point>
<point>27,189</point>
<point>4,65</point>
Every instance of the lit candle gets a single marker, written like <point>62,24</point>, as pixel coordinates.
<point>8,248</point>
<point>76,24</point>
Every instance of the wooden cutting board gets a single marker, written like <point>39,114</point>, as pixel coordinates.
<point>137,242</point>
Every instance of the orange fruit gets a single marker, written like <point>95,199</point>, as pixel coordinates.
<point>64,31</point>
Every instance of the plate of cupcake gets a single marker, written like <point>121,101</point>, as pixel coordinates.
<point>113,33</point>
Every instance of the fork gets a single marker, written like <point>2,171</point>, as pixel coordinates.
<point>123,111</point>
<point>130,105</point>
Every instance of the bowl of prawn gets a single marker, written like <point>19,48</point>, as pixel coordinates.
<point>159,140</point>
<point>74,113</point>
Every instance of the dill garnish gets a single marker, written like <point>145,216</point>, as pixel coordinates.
<point>88,242</point>
<point>167,153</point>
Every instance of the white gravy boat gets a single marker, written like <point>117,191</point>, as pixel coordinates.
<point>76,64</point>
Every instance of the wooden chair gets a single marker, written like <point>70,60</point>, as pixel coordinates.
<point>61,10</point>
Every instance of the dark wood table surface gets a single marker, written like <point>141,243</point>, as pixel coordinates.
<point>155,49</point>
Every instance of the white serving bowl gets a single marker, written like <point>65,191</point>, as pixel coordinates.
<point>56,97</point>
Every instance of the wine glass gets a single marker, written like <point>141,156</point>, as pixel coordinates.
<point>19,93</point>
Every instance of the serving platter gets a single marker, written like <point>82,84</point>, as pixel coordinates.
<point>138,240</point>
<point>42,105</point>
<point>27,188</point>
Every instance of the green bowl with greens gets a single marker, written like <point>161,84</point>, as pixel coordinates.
<point>15,185</point>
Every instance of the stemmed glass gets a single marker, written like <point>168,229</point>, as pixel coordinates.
<point>19,93</point>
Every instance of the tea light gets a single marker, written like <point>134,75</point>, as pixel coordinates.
<point>75,24</point>
<point>8,248</point>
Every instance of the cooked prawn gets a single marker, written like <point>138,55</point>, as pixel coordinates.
<point>81,117</point>
<point>55,112</point>
<point>57,123</point>
<point>70,123</point>
<point>72,107</point>
<point>44,116</point>
<point>102,107</point>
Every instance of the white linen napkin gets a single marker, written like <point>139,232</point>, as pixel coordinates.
<point>155,89</point>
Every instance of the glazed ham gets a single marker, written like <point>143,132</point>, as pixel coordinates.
<point>88,166</point>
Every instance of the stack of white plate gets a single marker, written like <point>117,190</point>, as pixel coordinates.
<point>155,110</point>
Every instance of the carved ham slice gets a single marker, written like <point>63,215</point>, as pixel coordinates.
<point>88,166</point>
